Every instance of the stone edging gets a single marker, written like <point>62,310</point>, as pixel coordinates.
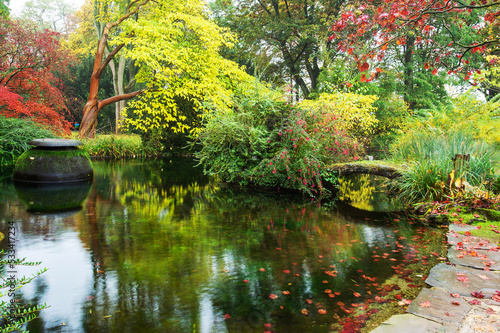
<point>464,274</point>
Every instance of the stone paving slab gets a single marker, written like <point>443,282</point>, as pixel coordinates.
<point>439,307</point>
<point>479,259</point>
<point>461,227</point>
<point>408,323</point>
<point>470,241</point>
<point>481,319</point>
<point>463,280</point>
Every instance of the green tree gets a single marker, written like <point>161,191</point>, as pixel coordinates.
<point>289,35</point>
<point>4,8</point>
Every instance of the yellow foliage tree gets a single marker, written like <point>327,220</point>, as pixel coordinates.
<point>175,46</point>
<point>356,111</point>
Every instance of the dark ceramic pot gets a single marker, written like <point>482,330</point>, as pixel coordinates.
<point>53,161</point>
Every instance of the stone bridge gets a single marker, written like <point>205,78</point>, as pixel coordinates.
<point>378,168</point>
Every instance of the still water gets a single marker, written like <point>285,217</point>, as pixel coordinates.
<point>157,247</point>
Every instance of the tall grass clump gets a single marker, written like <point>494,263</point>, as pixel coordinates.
<point>442,164</point>
<point>14,137</point>
<point>116,146</point>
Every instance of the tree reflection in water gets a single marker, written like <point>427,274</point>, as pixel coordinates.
<point>169,251</point>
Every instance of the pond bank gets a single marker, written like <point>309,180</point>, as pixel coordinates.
<point>463,294</point>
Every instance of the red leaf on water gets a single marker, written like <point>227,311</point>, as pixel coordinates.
<point>273,296</point>
<point>321,311</point>
<point>357,294</point>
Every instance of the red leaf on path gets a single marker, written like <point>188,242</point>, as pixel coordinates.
<point>455,302</point>
<point>226,316</point>
<point>425,304</point>
<point>455,295</point>
<point>477,294</point>
<point>475,302</point>
<point>496,298</point>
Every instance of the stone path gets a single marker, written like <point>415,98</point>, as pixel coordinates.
<point>449,305</point>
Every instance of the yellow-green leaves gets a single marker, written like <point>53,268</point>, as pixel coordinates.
<point>176,47</point>
<point>357,111</point>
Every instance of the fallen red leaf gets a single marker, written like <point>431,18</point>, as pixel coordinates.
<point>425,304</point>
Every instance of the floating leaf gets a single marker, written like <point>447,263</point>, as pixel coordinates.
<point>321,311</point>
<point>273,296</point>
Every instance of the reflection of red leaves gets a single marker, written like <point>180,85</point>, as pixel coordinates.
<point>477,294</point>
<point>246,281</point>
<point>321,311</point>
<point>273,296</point>
<point>262,270</point>
<point>305,312</point>
<point>309,301</point>
<point>286,271</point>
<point>356,294</point>
<point>328,291</point>
<point>286,292</point>
<point>226,316</point>
<point>425,304</point>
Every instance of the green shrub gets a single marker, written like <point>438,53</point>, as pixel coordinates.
<point>14,137</point>
<point>270,143</point>
<point>430,157</point>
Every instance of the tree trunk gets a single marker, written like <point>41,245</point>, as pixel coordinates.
<point>408,70</point>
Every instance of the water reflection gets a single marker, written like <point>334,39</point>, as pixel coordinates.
<point>158,248</point>
<point>368,193</point>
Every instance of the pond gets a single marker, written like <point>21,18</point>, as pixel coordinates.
<point>158,247</point>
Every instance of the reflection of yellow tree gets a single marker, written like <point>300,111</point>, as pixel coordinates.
<point>359,191</point>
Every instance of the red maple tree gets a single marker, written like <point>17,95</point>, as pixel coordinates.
<point>29,60</point>
<point>366,29</point>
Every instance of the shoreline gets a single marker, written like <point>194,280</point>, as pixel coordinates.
<point>462,294</point>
